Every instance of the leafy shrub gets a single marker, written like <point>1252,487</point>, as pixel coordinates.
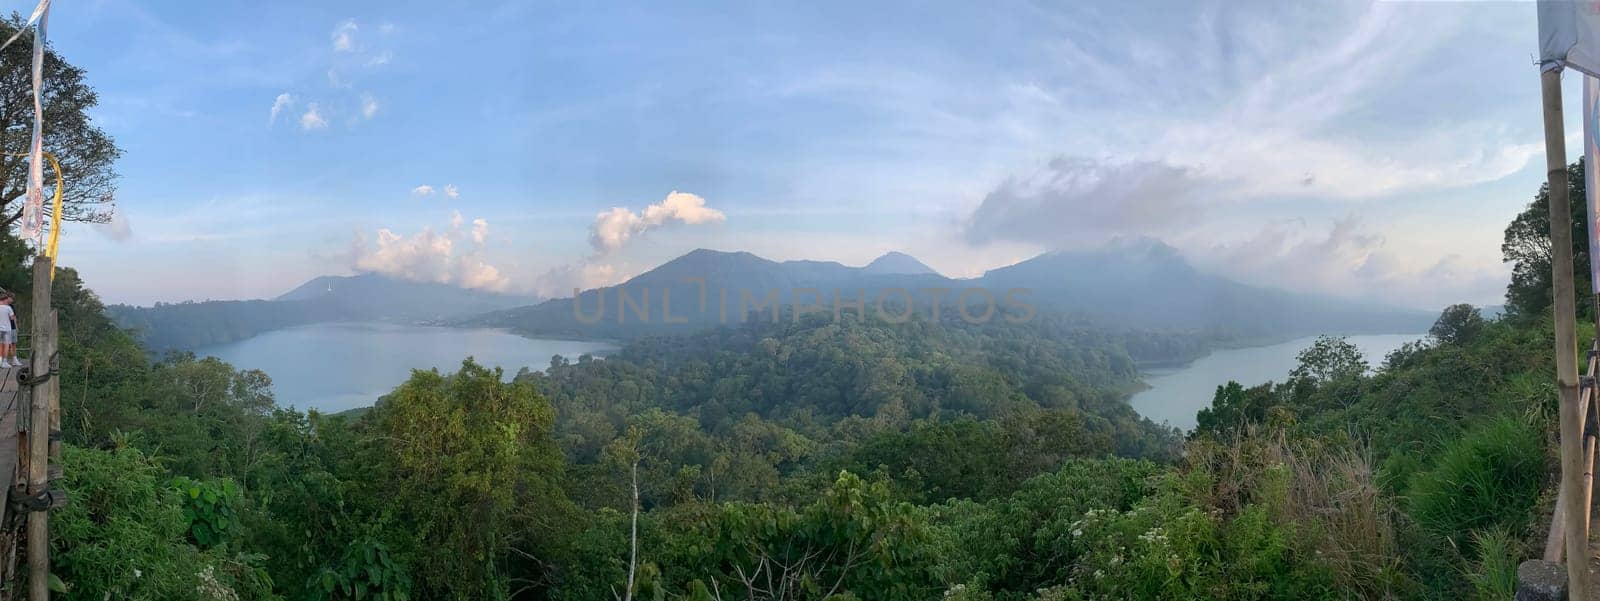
<point>124,536</point>
<point>209,508</point>
<point>367,571</point>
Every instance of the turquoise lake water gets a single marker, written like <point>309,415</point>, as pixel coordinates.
<point>1176,394</point>
<point>332,367</point>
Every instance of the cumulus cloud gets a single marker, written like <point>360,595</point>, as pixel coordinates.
<point>422,190</point>
<point>312,118</point>
<point>380,59</point>
<point>612,229</point>
<point>344,36</point>
<point>283,101</point>
<point>450,191</point>
<point>1077,201</point>
<point>369,106</point>
<point>452,256</point>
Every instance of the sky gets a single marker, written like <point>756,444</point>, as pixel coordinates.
<point>1366,150</point>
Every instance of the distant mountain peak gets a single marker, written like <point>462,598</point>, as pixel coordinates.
<point>898,263</point>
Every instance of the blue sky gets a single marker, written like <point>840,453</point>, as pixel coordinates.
<point>1367,150</point>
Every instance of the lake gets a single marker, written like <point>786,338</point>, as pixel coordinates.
<point>1176,394</point>
<point>332,367</point>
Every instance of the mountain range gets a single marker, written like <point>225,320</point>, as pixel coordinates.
<point>1145,285</point>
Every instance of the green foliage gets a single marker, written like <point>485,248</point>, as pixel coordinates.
<point>1233,409</point>
<point>1457,324</point>
<point>853,542</point>
<point>367,571</point>
<point>1488,478</point>
<point>1494,574</point>
<point>467,465</point>
<point>1526,247</point>
<point>208,506</point>
<point>1027,541</point>
<point>124,536</point>
<point>972,459</point>
<point>1329,359</point>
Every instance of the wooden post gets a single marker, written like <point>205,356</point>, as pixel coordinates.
<point>1588,479</point>
<point>1566,317</point>
<point>44,346</point>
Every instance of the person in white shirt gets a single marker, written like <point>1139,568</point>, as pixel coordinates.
<point>8,332</point>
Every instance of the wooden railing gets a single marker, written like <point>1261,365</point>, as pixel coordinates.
<point>1554,543</point>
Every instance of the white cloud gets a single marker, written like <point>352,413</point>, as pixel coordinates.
<point>450,191</point>
<point>450,257</point>
<point>117,229</point>
<point>583,275</point>
<point>312,119</point>
<point>612,229</point>
<point>344,36</point>
<point>480,230</point>
<point>1349,259</point>
<point>1290,125</point>
<point>369,105</point>
<point>1078,202</point>
<point>380,59</point>
<point>283,101</point>
<point>422,190</point>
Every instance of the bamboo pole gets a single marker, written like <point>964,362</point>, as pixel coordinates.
<point>1563,289</point>
<point>44,347</point>
<point>1553,549</point>
<point>1588,480</point>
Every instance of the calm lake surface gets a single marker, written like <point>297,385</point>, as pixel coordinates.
<point>1176,394</point>
<point>332,367</point>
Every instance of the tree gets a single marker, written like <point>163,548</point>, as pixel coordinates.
<point>1328,359</point>
<point>1234,408</point>
<point>1527,248</point>
<point>86,152</point>
<point>467,465</point>
<point>1458,324</point>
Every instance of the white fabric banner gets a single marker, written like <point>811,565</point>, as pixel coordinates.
<point>1591,152</point>
<point>1569,35</point>
<point>33,207</point>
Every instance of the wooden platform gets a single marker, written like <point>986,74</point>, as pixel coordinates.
<point>10,407</point>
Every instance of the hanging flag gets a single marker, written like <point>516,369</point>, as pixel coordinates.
<point>33,207</point>
<point>1591,153</point>
<point>1569,35</point>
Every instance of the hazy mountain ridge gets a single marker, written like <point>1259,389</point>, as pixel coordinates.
<point>1145,285</point>
<point>364,297</point>
<point>394,299</point>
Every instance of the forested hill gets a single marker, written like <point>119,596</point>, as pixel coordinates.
<point>365,297</point>
<point>826,379</point>
<point>1145,285</point>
